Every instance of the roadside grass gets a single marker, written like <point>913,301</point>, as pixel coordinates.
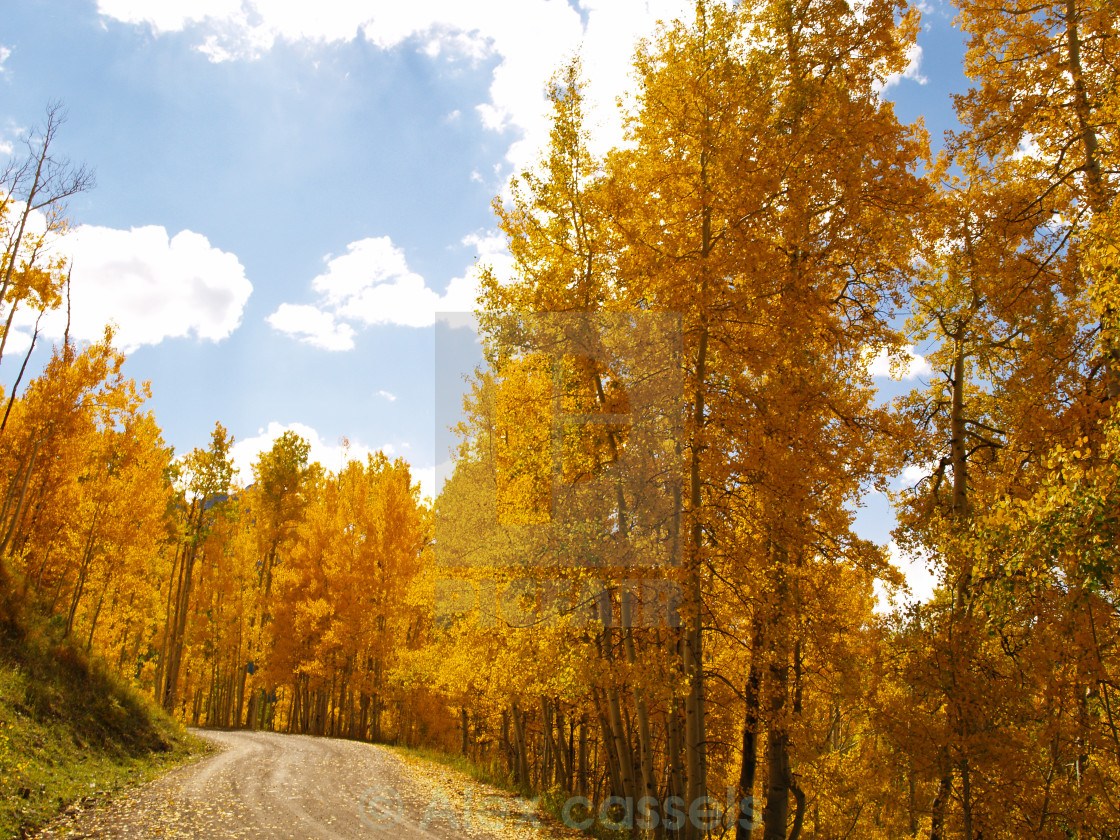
<point>550,804</point>
<point>71,732</point>
<point>489,774</point>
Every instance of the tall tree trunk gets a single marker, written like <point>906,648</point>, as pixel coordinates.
<point>959,456</point>
<point>22,368</point>
<point>182,606</point>
<point>940,804</point>
<point>695,738</point>
<point>623,756</point>
<point>614,772</point>
<point>97,611</point>
<point>165,642</point>
<point>748,770</point>
<point>581,776</point>
<point>18,515</point>
<point>645,742</point>
<point>520,744</point>
<point>178,627</point>
<point>795,788</point>
<point>776,812</point>
<point>83,571</point>
<point>673,737</point>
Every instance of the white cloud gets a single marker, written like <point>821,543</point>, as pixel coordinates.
<point>912,71</point>
<point>150,285</point>
<point>491,249</point>
<point>921,580</point>
<point>372,284</point>
<point>236,29</point>
<point>913,473</point>
<point>426,477</point>
<point>391,397</point>
<point>1028,149</point>
<point>5,54</point>
<point>532,38</point>
<point>436,476</point>
<point>911,366</point>
<point>367,262</point>
<point>332,457</point>
<point>17,343</point>
<point>11,129</point>
<point>919,577</point>
<point>312,326</point>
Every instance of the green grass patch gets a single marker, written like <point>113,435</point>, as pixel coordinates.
<point>72,733</point>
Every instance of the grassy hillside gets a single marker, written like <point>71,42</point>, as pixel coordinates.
<point>70,732</point>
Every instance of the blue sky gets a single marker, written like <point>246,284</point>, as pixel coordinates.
<point>288,191</point>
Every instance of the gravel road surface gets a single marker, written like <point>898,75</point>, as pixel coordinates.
<point>267,785</point>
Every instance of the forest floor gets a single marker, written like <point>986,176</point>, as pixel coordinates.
<point>268,785</point>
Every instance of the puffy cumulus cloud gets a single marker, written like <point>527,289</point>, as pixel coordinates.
<point>371,284</point>
<point>151,285</point>
<point>531,39</point>
<point>910,366</point>
<point>312,326</point>
<point>368,262</point>
<point>331,456</point>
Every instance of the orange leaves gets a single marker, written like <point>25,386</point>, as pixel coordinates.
<point>341,581</point>
<point>1010,656</point>
<point>86,480</point>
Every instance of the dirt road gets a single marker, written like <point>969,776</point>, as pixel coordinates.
<point>266,785</point>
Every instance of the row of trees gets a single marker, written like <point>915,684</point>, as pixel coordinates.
<point>282,604</point>
<point>769,200</point>
<point>288,601</point>
<point>642,580</point>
